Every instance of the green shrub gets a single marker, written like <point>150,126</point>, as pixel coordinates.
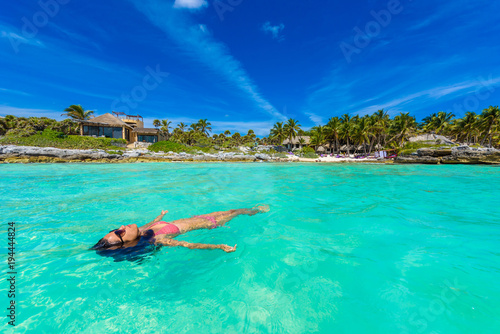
<point>167,146</point>
<point>412,147</point>
<point>307,149</point>
<point>50,138</point>
<point>203,142</point>
<point>310,155</point>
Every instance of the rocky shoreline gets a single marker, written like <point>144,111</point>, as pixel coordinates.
<point>31,154</point>
<point>456,155</point>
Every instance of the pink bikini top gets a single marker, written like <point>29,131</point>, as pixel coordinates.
<point>167,229</point>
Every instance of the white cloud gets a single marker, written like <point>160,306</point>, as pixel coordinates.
<point>191,4</point>
<point>316,119</point>
<point>424,96</point>
<point>275,31</point>
<point>16,40</point>
<point>201,46</point>
<point>30,112</point>
<point>12,91</point>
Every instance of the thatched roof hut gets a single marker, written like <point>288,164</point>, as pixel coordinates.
<point>296,140</point>
<point>344,148</point>
<point>106,120</point>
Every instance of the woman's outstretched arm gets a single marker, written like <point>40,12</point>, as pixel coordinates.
<point>157,219</point>
<point>176,243</point>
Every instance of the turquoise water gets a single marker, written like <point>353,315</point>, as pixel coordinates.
<point>344,249</point>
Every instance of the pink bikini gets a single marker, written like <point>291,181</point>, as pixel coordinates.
<point>209,218</point>
<point>167,229</point>
<point>170,228</point>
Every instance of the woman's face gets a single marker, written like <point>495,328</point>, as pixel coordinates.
<point>127,233</point>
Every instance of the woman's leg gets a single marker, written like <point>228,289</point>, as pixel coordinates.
<point>215,219</point>
<point>223,217</point>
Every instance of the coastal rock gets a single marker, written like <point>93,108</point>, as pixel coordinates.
<point>472,156</point>
<point>10,151</point>
<point>457,155</point>
<point>427,152</point>
<point>415,159</point>
<point>431,139</point>
<point>261,156</point>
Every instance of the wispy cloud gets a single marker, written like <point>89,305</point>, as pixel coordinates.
<point>316,119</point>
<point>200,45</point>
<point>275,30</point>
<point>30,112</point>
<point>16,39</point>
<point>13,91</point>
<point>429,95</point>
<point>191,4</point>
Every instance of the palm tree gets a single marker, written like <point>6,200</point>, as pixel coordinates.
<point>250,137</point>
<point>362,131</point>
<point>156,123</point>
<point>165,127</point>
<point>403,125</point>
<point>204,126</point>
<point>302,141</point>
<point>278,132</point>
<point>291,129</point>
<point>236,138</point>
<point>227,133</point>
<point>466,125</point>
<point>195,127</point>
<point>77,112</point>
<point>346,129</point>
<point>3,126</point>
<point>318,137</point>
<point>332,131</point>
<point>490,118</point>
<point>182,126</point>
<point>381,121</point>
<point>426,121</point>
<point>441,121</point>
<point>190,137</point>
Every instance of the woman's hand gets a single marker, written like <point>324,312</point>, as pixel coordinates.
<point>228,249</point>
<point>164,212</point>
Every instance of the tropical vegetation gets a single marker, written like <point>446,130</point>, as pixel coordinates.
<point>346,133</point>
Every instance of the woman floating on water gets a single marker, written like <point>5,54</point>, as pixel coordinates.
<point>159,232</point>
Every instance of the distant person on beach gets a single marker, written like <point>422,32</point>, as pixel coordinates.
<point>159,232</point>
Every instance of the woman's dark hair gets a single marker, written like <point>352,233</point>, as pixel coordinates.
<point>104,244</point>
<point>136,253</point>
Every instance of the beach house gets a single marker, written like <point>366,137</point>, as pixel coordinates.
<point>296,143</point>
<point>121,126</point>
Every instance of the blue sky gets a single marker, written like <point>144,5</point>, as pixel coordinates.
<point>248,64</point>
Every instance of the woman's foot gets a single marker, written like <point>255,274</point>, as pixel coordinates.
<point>260,209</point>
